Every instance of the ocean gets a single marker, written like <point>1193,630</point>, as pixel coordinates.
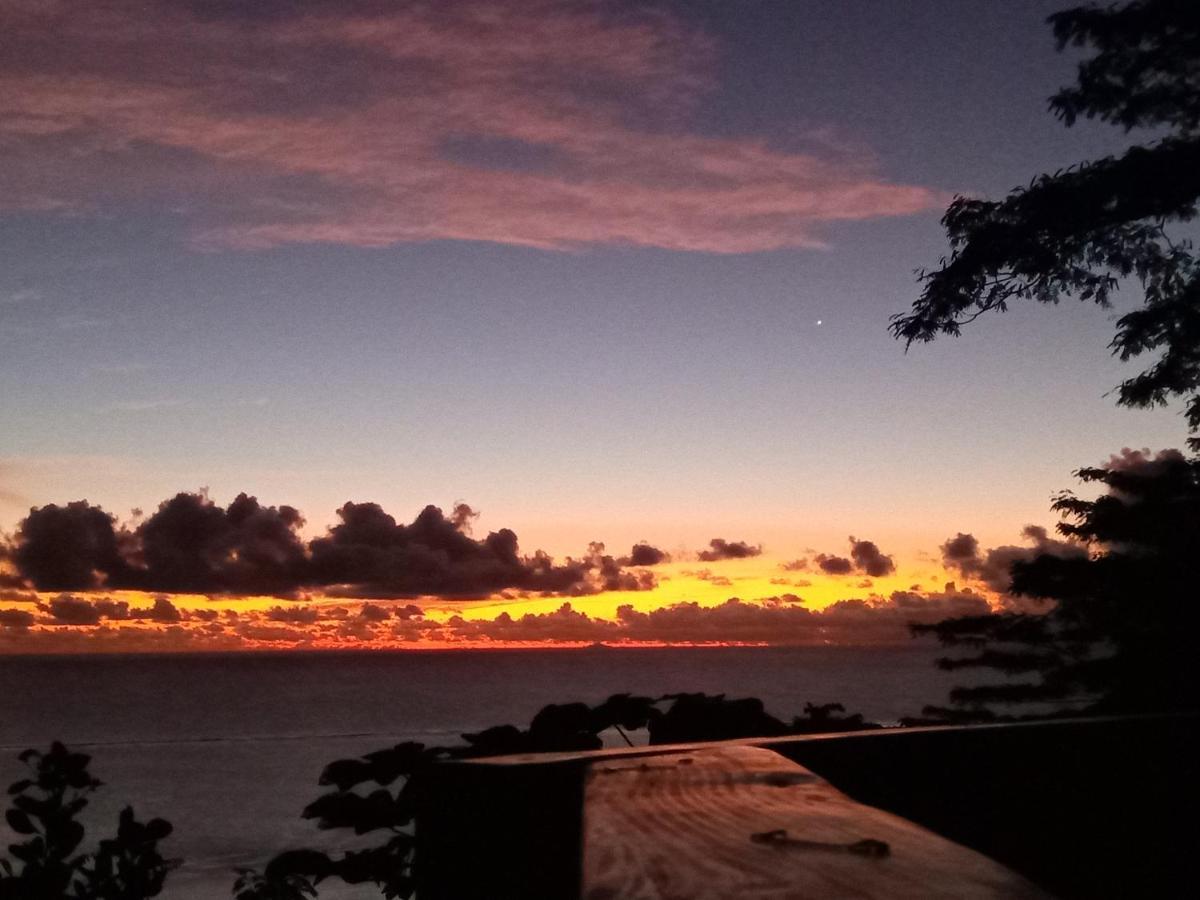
<point>228,747</point>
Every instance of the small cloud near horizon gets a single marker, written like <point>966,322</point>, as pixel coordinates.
<point>644,554</point>
<point>865,558</point>
<point>719,549</point>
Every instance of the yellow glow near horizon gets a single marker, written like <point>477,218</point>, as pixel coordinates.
<point>707,584</point>
<point>323,622</point>
<point>710,584</point>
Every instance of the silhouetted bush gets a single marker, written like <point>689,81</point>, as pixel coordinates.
<point>47,865</point>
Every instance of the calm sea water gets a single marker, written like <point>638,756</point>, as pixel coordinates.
<point>229,747</point>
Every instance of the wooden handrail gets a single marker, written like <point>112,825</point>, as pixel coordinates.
<point>737,821</point>
<point>1079,807</point>
<point>783,743</point>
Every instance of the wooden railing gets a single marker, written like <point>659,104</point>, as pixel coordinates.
<point>1069,808</point>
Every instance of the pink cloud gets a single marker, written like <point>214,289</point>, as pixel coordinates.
<point>551,125</point>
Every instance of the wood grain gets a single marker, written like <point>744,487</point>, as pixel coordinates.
<point>683,826</point>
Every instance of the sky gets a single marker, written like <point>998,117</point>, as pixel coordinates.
<point>606,272</point>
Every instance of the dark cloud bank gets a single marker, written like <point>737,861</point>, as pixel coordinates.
<point>192,545</point>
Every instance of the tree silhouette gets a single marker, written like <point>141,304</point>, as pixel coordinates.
<point>1082,231</point>
<point>1121,634</point>
<point>48,864</point>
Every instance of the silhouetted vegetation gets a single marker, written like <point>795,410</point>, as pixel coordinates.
<point>1118,635</point>
<point>48,865</point>
<point>1082,231</point>
<point>1121,634</point>
<point>364,801</point>
<point>700,717</point>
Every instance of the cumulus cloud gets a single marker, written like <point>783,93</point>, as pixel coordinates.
<point>463,517</point>
<point>193,545</point>
<point>865,557</point>
<point>643,554</point>
<point>960,550</point>
<point>1145,462</point>
<point>369,545</point>
<point>719,548</point>
<point>16,618</point>
<point>869,559</point>
<point>529,122</point>
<point>296,615</point>
<point>113,609</point>
<point>369,554</point>
<point>189,544</point>
<point>163,611</point>
<point>993,567</point>
<point>833,565</point>
<point>69,610</point>
<point>66,548</point>
<point>607,573</point>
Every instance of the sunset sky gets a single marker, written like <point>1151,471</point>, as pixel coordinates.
<point>611,272</point>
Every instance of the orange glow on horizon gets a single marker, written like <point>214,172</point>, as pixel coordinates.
<point>686,591</point>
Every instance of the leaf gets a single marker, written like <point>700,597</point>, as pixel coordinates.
<point>158,829</point>
<point>17,786</point>
<point>19,822</point>
<point>30,851</point>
